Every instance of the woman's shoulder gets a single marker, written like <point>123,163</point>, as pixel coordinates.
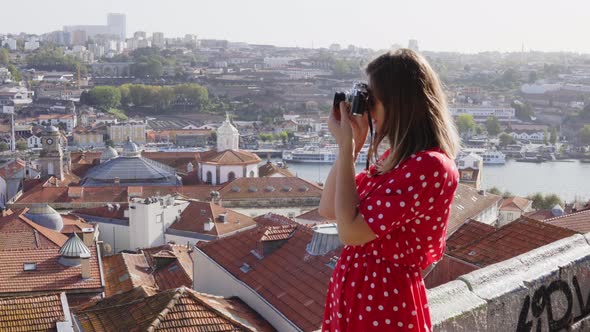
<point>433,158</point>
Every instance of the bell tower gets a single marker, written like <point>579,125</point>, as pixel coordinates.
<point>51,157</point>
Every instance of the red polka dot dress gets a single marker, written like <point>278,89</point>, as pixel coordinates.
<point>378,286</point>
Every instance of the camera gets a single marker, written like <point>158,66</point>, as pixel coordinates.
<point>358,98</point>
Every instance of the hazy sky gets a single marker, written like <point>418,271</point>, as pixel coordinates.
<point>438,25</point>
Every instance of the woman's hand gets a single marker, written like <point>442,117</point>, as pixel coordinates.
<point>350,130</point>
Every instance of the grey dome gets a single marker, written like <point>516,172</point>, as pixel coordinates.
<point>46,216</point>
<point>50,129</point>
<point>108,154</point>
<point>131,149</point>
<point>72,251</point>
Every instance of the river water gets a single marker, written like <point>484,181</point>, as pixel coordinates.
<point>569,180</point>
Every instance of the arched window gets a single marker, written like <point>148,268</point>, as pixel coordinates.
<point>251,174</point>
<point>231,176</point>
<point>209,177</point>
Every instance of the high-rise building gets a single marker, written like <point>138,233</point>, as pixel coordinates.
<point>158,39</point>
<point>140,35</point>
<point>413,45</point>
<point>117,24</point>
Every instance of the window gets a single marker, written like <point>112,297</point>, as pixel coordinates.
<point>231,176</point>
<point>30,266</point>
<point>209,177</point>
<point>251,174</point>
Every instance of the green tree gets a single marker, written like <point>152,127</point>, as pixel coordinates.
<point>465,123</point>
<point>533,77</point>
<point>21,145</point>
<point>3,146</point>
<point>545,202</point>
<point>283,136</point>
<point>265,137</point>
<point>553,138</point>
<point>522,111</point>
<point>15,73</point>
<point>584,135</point>
<point>4,56</point>
<point>506,139</point>
<point>546,137</point>
<point>493,126</point>
<point>104,97</point>
<point>495,191</point>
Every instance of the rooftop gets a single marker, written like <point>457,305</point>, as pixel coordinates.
<point>33,313</point>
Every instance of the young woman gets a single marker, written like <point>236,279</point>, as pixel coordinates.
<point>392,217</point>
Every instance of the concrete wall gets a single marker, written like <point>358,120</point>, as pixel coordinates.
<point>547,289</point>
<point>211,278</point>
<point>117,236</point>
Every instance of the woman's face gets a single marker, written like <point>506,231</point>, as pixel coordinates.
<point>377,114</point>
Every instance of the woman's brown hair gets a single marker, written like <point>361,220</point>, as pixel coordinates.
<point>416,114</point>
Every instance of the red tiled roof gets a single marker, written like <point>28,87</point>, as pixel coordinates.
<point>73,224</point>
<point>196,214</point>
<point>124,272</point>
<point>469,232</point>
<point>272,219</point>
<point>21,233</point>
<point>312,215</point>
<point>515,204</point>
<point>540,215</point>
<point>445,270</point>
<point>31,313</point>
<point>274,233</point>
<point>11,168</point>
<point>270,169</point>
<point>269,188</point>
<point>513,239</point>
<point>231,157</point>
<point>174,310</point>
<point>105,212</point>
<point>467,204</point>
<point>290,279</point>
<point>50,275</point>
<point>178,272</point>
<point>577,221</point>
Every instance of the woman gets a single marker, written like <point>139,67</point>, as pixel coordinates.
<point>392,217</point>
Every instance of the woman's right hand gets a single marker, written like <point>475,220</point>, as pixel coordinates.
<point>360,128</point>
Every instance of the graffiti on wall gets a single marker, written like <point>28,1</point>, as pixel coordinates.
<point>542,301</point>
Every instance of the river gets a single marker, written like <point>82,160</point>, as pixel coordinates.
<point>569,180</point>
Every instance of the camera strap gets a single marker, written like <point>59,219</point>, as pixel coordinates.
<point>370,152</point>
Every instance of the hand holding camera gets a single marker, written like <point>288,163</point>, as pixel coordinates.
<point>354,106</point>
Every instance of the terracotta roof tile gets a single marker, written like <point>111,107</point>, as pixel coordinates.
<point>513,239</point>
<point>32,313</point>
<point>274,233</point>
<point>515,204</point>
<point>174,310</point>
<point>231,157</point>
<point>197,214</point>
<point>272,219</point>
<point>124,272</point>
<point>313,215</point>
<point>467,204</point>
<point>577,221</point>
<point>469,232</point>
<point>290,279</point>
<point>105,212</point>
<point>540,215</point>
<point>270,169</point>
<point>269,187</point>
<point>177,267</point>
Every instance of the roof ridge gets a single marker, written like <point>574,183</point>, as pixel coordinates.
<point>194,295</point>
<point>179,292</point>
<point>567,215</point>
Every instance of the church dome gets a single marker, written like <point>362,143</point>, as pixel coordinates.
<point>131,149</point>
<point>108,154</point>
<point>46,216</point>
<point>50,129</point>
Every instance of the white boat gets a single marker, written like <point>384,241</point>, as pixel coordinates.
<point>320,155</point>
<point>490,157</point>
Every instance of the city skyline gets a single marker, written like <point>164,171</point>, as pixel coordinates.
<point>498,26</point>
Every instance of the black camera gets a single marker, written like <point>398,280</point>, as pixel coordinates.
<point>358,98</point>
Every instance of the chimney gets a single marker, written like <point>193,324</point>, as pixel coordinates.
<point>88,236</point>
<point>85,265</point>
<point>209,225</point>
<point>324,239</point>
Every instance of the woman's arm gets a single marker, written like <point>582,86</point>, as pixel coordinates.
<point>352,228</point>
<point>326,208</point>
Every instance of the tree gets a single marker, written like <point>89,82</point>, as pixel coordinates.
<point>105,97</point>
<point>465,123</point>
<point>495,191</point>
<point>522,111</point>
<point>3,146</point>
<point>21,145</point>
<point>14,72</point>
<point>584,135</point>
<point>533,77</point>
<point>506,139</point>
<point>493,126</point>
<point>266,137</point>
<point>553,138</point>
<point>4,57</point>
<point>545,202</point>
